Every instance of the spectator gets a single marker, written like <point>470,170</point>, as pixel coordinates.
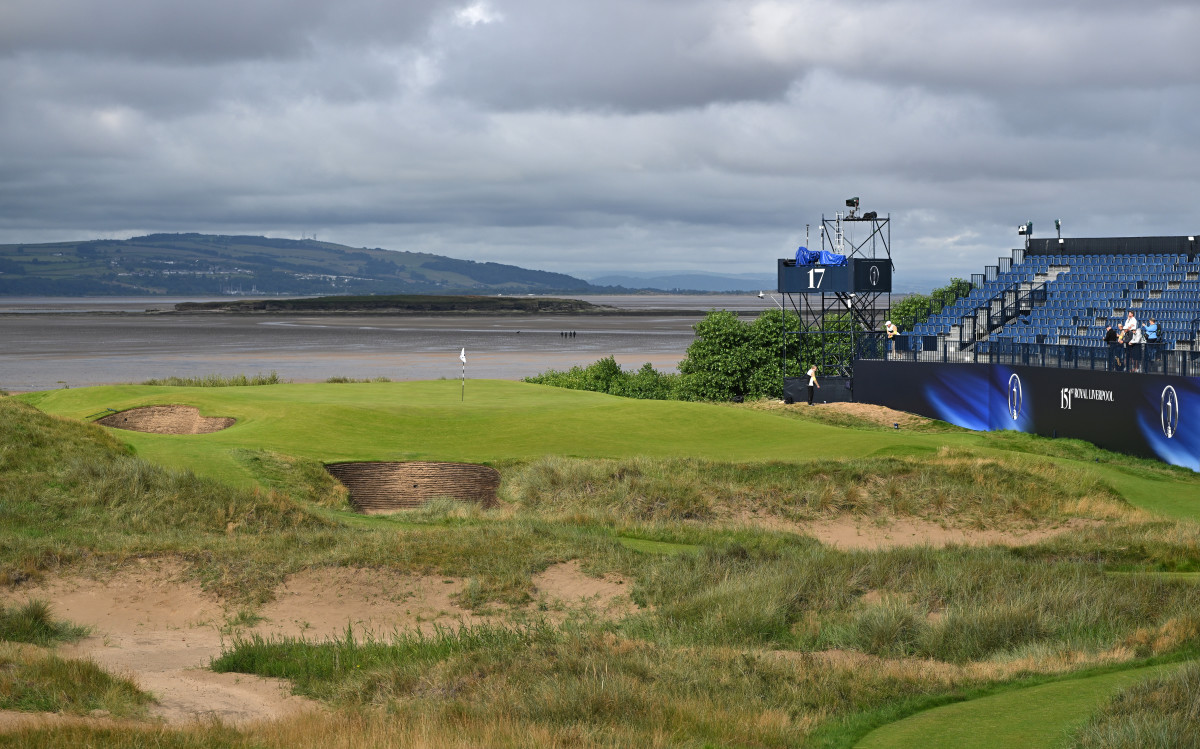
<point>1130,325</point>
<point>1133,350</point>
<point>891,331</point>
<point>813,385</point>
<point>1152,341</point>
<point>1114,348</point>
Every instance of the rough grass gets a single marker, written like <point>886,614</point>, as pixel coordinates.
<point>954,484</point>
<point>33,680</point>
<point>34,623</point>
<point>218,380</point>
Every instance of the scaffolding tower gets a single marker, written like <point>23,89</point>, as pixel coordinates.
<point>834,315</point>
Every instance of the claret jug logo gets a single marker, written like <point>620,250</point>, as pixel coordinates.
<point>1068,396</point>
<point>1016,399</point>
<point>1168,407</point>
<point>874,275</point>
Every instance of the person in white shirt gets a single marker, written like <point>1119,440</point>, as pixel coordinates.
<point>812,383</point>
<point>1131,323</point>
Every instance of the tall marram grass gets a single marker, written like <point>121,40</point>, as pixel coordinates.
<point>34,623</point>
<point>218,380</point>
<point>32,680</point>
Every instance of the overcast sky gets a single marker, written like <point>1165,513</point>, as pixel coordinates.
<point>597,136</point>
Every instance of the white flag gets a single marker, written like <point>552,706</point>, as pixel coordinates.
<point>462,357</point>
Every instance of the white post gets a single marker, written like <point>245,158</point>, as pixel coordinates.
<point>463,357</point>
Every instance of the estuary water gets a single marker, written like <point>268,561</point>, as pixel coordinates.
<point>48,343</point>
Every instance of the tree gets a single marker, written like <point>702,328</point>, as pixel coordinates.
<point>730,358</point>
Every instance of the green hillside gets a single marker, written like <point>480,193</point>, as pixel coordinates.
<point>215,265</point>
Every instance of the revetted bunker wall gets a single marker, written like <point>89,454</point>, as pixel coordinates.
<point>388,487</point>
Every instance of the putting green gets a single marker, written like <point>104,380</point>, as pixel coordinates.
<point>499,420</point>
<point>1037,716</point>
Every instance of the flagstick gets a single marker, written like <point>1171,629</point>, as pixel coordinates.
<point>464,384</point>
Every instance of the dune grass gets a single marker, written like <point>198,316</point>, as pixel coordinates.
<point>743,635</point>
<point>218,380</point>
<point>34,623</point>
<point>33,679</point>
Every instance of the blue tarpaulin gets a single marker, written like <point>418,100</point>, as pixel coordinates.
<point>805,256</point>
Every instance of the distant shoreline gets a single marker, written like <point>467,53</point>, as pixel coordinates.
<point>420,305</point>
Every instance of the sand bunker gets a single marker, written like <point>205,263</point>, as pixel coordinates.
<point>167,420</point>
<point>387,487</point>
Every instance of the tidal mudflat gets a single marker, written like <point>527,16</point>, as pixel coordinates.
<point>76,343</point>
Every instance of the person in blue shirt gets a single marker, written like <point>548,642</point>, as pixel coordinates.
<point>1152,340</point>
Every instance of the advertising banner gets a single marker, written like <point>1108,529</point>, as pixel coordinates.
<point>1153,416</point>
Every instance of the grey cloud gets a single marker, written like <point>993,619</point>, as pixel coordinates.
<point>618,55</point>
<point>178,31</point>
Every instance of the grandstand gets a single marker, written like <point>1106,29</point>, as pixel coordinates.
<point>1024,350</point>
<point>1064,293</point>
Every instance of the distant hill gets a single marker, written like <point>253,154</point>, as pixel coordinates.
<point>212,265</point>
<point>688,281</point>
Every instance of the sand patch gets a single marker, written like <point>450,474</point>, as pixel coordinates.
<point>857,532</point>
<point>319,604</point>
<point>167,420</point>
<point>566,586</point>
<point>151,626</point>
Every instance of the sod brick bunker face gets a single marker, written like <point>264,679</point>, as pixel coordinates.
<point>167,420</point>
<point>377,488</point>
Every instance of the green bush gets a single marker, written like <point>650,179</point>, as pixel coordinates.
<point>606,376</point>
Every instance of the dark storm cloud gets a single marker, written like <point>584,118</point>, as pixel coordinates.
<point>585,135</point>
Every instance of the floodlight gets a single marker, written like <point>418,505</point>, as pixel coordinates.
<point>1058,223</point>
<point>851,202</point>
